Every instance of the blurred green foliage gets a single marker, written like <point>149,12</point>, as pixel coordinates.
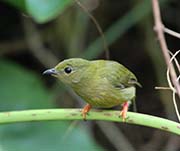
<point>42,11</point>
<point>44,136</point>
<point>21,89</point>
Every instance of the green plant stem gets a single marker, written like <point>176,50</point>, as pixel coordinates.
<point>75,114</point>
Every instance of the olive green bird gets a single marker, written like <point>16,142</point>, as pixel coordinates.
<point>100,83</point>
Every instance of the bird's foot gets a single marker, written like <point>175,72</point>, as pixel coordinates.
<point>85,111</point>
<point>123,112</point>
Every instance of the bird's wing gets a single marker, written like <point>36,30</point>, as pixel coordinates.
<point>119,76</point>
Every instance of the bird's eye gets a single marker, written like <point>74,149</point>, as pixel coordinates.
<point>68,70</point>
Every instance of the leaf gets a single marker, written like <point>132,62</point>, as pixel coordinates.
<point>47,136</point>
<point>22,89</point>
<point>20,4</point>
<point>41,10</point>
<point>44,10</point>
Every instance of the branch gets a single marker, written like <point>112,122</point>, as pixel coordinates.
<point>159,28</point>
<point>171,32</point>
<point>75,114</point>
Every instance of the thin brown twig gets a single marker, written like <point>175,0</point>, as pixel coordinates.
<point>170,84</point>
<point>175,105</point>
<point>171,32</point>
<point>159,28</point>
<point>97,26</point>
<point>175,60</point>
<point>167,73</point>
<point>162,88</point>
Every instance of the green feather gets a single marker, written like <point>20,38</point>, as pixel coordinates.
<point>101,83</point>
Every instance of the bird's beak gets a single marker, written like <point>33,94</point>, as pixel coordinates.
<point>50,72</point>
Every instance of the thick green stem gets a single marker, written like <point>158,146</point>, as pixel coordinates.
<point>75,114</point>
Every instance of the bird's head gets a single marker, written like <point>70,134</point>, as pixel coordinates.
<point>69,71</point>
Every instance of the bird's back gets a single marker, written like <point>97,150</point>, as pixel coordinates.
<point>115,72</point>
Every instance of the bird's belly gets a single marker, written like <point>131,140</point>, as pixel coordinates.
<point>104,103</point>
<point>107,98</point>
<point>102,99</point>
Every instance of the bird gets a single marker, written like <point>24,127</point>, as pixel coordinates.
<point>100,83</point>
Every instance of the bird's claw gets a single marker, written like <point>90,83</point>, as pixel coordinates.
<point>84,115</point>
<point>123,113</point>
<point>85,111</point>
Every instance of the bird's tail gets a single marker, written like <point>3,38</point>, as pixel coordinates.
<point>134,105</point>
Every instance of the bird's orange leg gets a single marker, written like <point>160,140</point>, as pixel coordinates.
<point>85,110</point>
<point>123,112</point>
